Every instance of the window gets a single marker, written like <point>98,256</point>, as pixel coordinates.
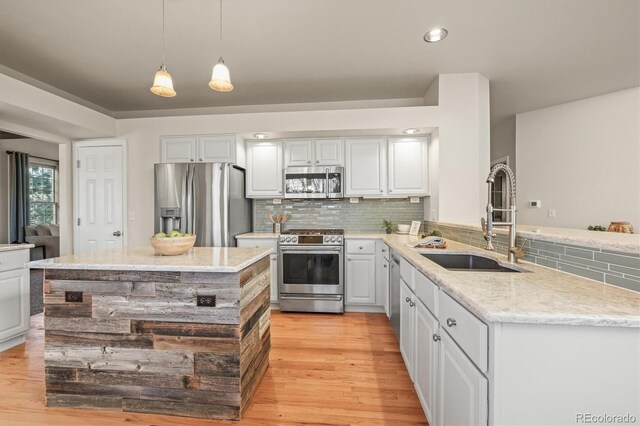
<point>43,206</point>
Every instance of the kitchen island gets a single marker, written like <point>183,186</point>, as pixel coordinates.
<point>182,335</point>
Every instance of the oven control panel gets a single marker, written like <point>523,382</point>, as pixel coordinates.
<point>332,240</point>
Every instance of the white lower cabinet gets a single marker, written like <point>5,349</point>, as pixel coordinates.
<point>274,278</point>
<point>407,324</point>
<point>14,298</point>
<point>361,279</point>
<point>426,362</point>
<point>462,390</point>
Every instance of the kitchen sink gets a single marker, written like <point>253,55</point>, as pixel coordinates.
<point>468,262</point>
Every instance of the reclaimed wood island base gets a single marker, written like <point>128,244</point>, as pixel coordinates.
<point>186,336</point>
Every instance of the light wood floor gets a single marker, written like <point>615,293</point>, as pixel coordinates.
<point>324,369</point>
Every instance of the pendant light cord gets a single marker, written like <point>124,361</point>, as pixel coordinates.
<point>220,28</point>
<point>162,32</point>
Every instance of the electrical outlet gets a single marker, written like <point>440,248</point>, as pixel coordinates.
<point>354,200</point>
<point>277,201</point>
<point>209,301</point>
<point>535,204</point>
<point>132,215</point>
<point>551,213</point>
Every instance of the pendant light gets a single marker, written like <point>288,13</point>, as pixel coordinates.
<point>162,83</point>
<point>220,80</point>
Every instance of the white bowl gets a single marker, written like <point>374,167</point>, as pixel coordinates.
<point>403,228</point>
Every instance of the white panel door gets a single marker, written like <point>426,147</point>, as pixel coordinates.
<point>329,152</point>
<point>14,303</point>
<point>177,149</point>
<point>408,166</point>
<point>407,324</point>
<point>462,389</point>
<point>264,170</point>
<point>298,153</point>
<point>216,149</point>
<point>426,362</point>
<point>99,195</point>
<point>274,278</point>
<point>361,279</point>
<point>366,167</point>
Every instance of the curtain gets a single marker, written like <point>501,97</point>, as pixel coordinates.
<point>18,195</point>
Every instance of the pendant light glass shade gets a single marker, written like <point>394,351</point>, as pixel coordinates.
<point>220,80</point>
<point>163,84</point>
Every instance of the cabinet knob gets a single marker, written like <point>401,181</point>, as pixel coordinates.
<point>384,266</point>
<point>280,191</point>
<point>435,337</point>
<point>411,304</point>
<point>451,322</point>
<point>391,190</point>
<point>191,159</point>
<point>407,299</point>
<point>384,250</point>
<point>349,259</point>
<point>360,247</point>
<point>200,159</point>
<point>308,161</point>
<point>117,234</point>
<point>381,190</point>
<point>317,161</point>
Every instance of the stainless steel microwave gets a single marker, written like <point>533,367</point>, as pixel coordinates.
<point>313,182</point>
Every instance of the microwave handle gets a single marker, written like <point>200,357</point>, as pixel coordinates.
<point>326,182</point>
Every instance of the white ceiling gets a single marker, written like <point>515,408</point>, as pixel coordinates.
<point>535,52</point>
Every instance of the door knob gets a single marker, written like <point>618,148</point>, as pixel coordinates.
<point>117,234</point>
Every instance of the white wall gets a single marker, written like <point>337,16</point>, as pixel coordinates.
<point>503,141</point>
<point>583,160</point>
<point>30,146</point>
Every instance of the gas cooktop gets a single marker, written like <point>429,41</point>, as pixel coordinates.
<point>313,232</point>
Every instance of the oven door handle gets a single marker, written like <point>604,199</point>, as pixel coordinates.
<point>293,249</point>
<point>323,297</point>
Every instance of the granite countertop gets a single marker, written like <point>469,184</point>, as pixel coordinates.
<point>541,296</point>
<point>197,259</point>
<point>11,247</point>
<point>257,235</point>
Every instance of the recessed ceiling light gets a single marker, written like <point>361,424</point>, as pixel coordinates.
<point>411,131</point>
<point>260,135</point>
<point>435,35</point>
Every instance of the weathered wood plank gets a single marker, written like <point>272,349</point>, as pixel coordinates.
<point>252,315</point>
<point>190,344</point>
<point>84,401</point>
<point>251,380</point>
<point>143,289</point>
<point>216,364</point>
<point>118,359</point>
<point>206,411</point>
<point>112,288</point>
<point>105,275</point>
<point>119,378</point>
<point>225,293</point>
<point>165,309</point>
<point>191,396</point>
<point>88,325</point>
<point>69,310</point>
<point>216,383</point>
<point>254,270</point>
<point>185,329</point>
<point>73,388</point>
<point>209,278</point>
<point>143,341</point>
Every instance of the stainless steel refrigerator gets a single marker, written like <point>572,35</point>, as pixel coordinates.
<point>205,199</point>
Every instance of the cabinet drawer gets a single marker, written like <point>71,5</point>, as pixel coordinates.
<point>271,243</point>
<point>427,292</point>
<point>406,272</point>
<point>14,259</point>
<point>361,247</point>
<point>469,332</point>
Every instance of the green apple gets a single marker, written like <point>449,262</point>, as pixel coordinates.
<point>160,235</point>
<point>174,234</point>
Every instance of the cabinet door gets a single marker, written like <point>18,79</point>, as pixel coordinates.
<point>426,362</point>
<point>298,153</point>
<point>274,278</point>
<point>14,303</point>
<point>361,279</point>
<point>384,282</point>
<point>462,389</point>
<point>329,152</point>
<point>407,321</point>
<point>264,170</point>
<point>217,149</point>
<point>408,166</point>
<point>366,167</point>
<point>177,149</point>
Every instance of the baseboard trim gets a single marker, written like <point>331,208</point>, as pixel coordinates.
<point>364,308</point>
<point>14,341</point>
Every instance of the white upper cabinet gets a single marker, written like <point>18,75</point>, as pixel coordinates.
<point>408,167</point>
<point>177,149</point>
<point>366,166</point>
<point>223,148</point>
<point>264,169</point>
<point>308,153</point>
<point>298,153</point>
<point>329,152</point>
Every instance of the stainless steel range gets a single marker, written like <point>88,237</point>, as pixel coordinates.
<point>311,270</point>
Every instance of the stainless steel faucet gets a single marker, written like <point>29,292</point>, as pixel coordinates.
<point>488,224</point>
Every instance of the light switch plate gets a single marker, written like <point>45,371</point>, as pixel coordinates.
<point>354,200</point>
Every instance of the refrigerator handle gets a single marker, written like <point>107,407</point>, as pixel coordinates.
<point>189,205</point>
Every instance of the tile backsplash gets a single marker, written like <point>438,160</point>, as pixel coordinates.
<point>364,216</point>
<point>616,268</point>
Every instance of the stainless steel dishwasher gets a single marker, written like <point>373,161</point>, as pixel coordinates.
<point>395,294</point>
